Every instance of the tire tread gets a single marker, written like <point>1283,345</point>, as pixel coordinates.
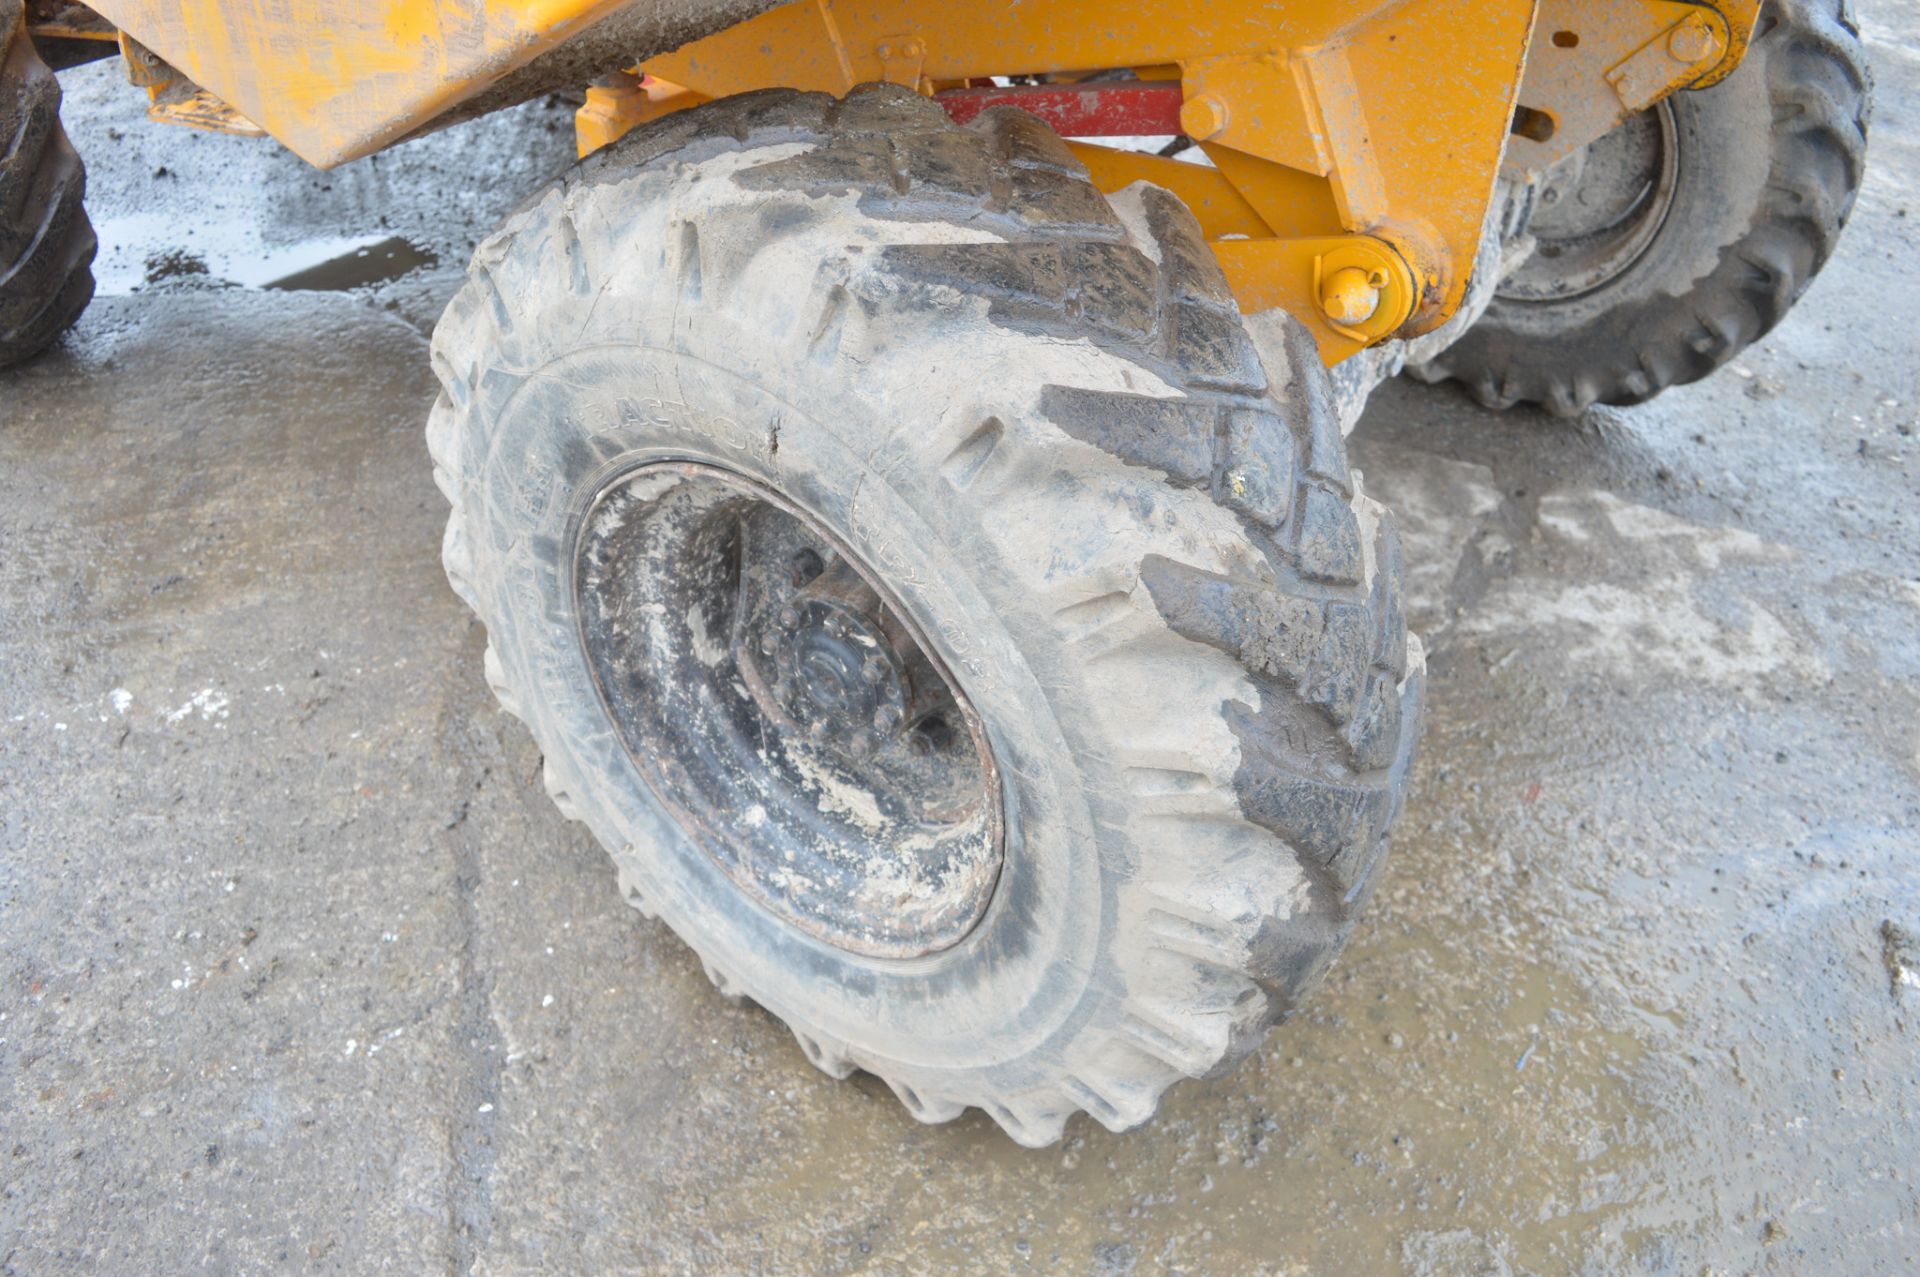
<point>47,244</point>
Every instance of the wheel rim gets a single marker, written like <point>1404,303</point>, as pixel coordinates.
<point>786,711</point>
<point>1598,210</point>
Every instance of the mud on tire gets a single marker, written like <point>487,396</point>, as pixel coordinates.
<point>1139,550</point>
<point>46,241</point>
<point>1768,164</point>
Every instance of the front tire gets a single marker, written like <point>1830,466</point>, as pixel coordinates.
<point>1029,420</point>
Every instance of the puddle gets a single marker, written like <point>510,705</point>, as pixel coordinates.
<point>390,258</point>
<point>142,250</point>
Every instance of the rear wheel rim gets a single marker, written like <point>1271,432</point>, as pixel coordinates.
<point>1599,210</point>
<point>786,711</point>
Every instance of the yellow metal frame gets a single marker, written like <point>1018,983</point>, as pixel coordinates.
<point>1355,144</point>
<point>1341,134</point>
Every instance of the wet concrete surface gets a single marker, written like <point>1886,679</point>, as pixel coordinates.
<point>299,970</point>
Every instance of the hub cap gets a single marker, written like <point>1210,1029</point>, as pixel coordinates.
<point>785,711</point>
<point>1598,210</point>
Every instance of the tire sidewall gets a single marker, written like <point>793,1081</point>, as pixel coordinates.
<point>593,413</point>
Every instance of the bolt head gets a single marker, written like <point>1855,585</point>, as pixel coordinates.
<point>1349,296</point>
<point>888,718</point>
<point>1691,41</point>
<point>789,617</point>
<point>1203,117</point>
<point>861,746</point>
<point>874,670</point>
<point>769,643</point>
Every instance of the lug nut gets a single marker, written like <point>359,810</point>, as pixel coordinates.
<point>888,718</point>
<point>874,670</point>
<point>789,617</point>
<point>769,643</point>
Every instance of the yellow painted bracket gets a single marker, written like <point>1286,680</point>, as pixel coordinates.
<point>1738,17</point>
<point>1217,203</point>
<point>621,102</point>
<point>1301,110</point>
<point>1595,62</point>
<point>174,99</point>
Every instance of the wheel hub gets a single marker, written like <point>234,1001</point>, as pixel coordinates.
<point>846,677</point>
<point>1598,210</point>
<point>785,711</point>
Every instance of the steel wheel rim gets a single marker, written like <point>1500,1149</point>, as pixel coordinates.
<point>1599,210</point>
<point>786,711</point>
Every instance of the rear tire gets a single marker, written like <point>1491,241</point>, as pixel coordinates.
<point>1035,415</point>
<point>1764,174</point>
<point>46,242</point>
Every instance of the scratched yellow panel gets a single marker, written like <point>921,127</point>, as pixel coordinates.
<point>333,79</point>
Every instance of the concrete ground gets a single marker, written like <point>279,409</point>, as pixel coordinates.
<point>300,971</point>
